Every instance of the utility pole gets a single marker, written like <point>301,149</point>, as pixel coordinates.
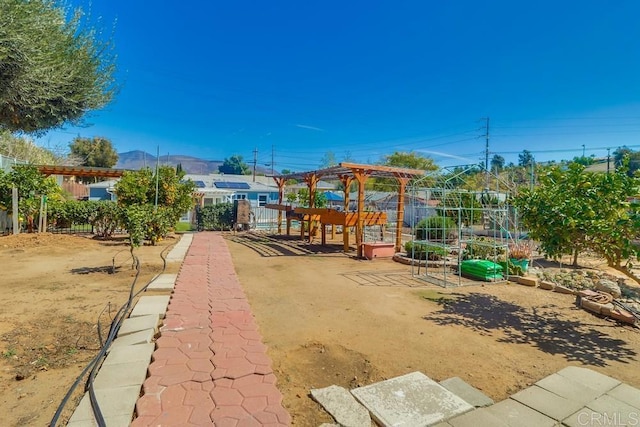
<point>255,161</point>
<point>486,154</point>
<point>608,159</point>
<point>155,205</point>
<point>583,151</point>
<point>272,158</point>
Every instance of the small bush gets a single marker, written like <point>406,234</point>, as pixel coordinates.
<point>418,250</point>
<point>482,248</point>
<point>437,229</point>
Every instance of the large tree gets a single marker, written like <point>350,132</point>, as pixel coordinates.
<point>53,67</point>
<point>24,149</point>
<point>401,159</point>
<point>234,165</point>
<point>525,158</point>
<point>497,162</point>
<point>94,152</point>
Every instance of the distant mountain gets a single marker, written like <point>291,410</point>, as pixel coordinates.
<point>139,159</point>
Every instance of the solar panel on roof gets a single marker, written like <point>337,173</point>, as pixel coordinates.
<point>232,185</point>
<point>200,184</point>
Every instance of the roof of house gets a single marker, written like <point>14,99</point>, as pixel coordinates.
<point>231,183</point>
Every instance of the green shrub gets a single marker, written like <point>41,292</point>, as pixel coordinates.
<point>482,248</point>
<point>437,229</point>
<point>215,217</point>
<point>418,250</point>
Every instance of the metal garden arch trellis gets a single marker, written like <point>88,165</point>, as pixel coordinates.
<point>485,224</point>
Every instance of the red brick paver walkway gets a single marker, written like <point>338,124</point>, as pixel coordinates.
<point>210,366</point>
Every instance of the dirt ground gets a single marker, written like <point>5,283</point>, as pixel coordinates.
<point>331,319</point>
<point>55,288</point>
<point>326,317</point>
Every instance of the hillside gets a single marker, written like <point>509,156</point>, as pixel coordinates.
<point>139,159</point>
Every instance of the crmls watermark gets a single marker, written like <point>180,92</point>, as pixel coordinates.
<point>611,419</point>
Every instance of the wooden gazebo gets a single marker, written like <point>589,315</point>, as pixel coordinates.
<point>347,173</point>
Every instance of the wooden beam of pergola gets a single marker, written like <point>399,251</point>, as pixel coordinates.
<point>84,171</point>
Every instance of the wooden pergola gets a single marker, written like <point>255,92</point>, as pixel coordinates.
<point>85,171</point>
<point>347,173</point>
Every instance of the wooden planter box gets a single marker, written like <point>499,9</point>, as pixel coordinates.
<point>378,250</point>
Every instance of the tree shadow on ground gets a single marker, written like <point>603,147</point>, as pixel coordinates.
<point>275,245</point>
<point>539,326</point>
<point>109,269</point>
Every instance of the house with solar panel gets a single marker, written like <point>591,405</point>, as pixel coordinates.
<point>214,189</point>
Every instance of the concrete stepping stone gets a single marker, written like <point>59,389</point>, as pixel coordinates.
<point>477,418</point>
<point>163,283</point>
<point>592,379</point>
<point>569,389</point>
<point>627,394</point>
<point>546,402</point>
<point>130,353</point>
<point>342,406</point>
<point>140,323</point>
<point>412,400</point>
<point>515,414</point>
<point>141,337</point>
<point>116,405</point>
<point>156,304</point>
<point>604,411</point>
<point>467,392</point>
<point>121,375</point>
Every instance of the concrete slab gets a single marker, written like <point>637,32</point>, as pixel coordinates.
<point>546,402</point>
<point>569,389</point>
<point>411,400</point>
<point>592,379</point>
<point>119,421</point>
<point>627,394</point>
<point>604,411</point>
<point>626,415</point>
<point>163,283</point>
<point>140,323</point>
<point>477,418</point>
<point>121,375</point>
<point>142,337</point>
<point>130,353</point>
<point>342,406</point>
<point>515,414</point>
<point>179,251</point>
<point>154,304</point>
<point>116,404</point>
<point>443,424</point>
<point>467,392</point>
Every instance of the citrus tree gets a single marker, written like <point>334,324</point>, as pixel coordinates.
<point>572,210</point>
<point>141,215</point>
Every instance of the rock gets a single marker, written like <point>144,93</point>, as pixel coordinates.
<point>609,287</point>
<point>544,284</point>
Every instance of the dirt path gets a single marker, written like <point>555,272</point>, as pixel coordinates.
<point>54,288</point>
<point>330,319</point>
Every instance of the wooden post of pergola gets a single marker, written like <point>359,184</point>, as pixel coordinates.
<point>281,183</point>
<point>400,209</point>
<point>312,183</point>
<point>361,176</point>
<point>346,181</point>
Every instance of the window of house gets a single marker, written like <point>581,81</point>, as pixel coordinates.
<point>262,199</point>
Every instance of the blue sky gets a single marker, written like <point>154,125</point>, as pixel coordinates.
<point>362,79</point>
